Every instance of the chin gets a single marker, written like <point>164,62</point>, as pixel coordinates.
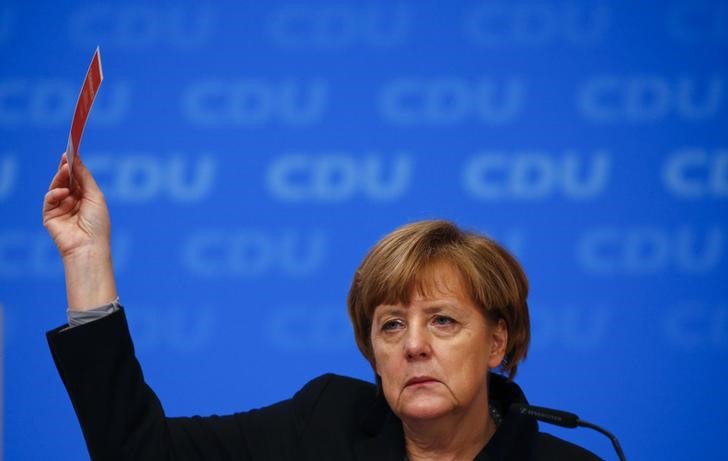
<point>425,409</point>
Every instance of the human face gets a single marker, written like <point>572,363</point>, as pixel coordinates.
<point>433,354</point>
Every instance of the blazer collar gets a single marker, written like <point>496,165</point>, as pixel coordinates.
<point>516,436</point>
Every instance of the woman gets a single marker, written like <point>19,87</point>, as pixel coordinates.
<point>434,310</point>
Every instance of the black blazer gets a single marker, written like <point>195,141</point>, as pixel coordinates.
<point>330,418</point>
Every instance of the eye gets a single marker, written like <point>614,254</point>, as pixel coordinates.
<point>390,325</point>
<point>443,320</point>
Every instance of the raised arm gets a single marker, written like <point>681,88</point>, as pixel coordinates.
<point>77,220</point>
<point>120,415</point>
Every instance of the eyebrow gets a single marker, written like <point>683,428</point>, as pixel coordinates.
<point>435,308</point>
<point>388,310</point>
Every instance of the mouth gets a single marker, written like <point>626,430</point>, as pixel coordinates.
<point>417,380</point>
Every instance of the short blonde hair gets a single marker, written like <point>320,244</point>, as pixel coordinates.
<point>493,278</point>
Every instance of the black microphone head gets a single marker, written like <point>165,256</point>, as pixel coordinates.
<point>547,415</point>
<point>564,419</point>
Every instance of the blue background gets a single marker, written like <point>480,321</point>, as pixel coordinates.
<point>251,153</point>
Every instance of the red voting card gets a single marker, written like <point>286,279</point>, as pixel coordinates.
<point>91,84</point>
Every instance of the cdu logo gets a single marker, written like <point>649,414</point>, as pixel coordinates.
<point>534,24</point>
<point>536,175</point>
<point>305,328</point>
<point>8,175</point>
<point>449,101</point>
<point>255,102</point>
<point>33,254</point>
<point>513,239</point>
<point>650,250</point>
<point>698,22</point>
<point>694,325</point>
<point>329,178</point>
<point>694,173</point>
<point>139,178</point>
<point>173,328</point>
<point>337,26</point>
<point>253,252</point>
<point>50,102</point>
<point>570,327</point>
<point>649,98</point>
<point>141,26</point>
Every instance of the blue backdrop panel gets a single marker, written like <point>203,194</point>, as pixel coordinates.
<point>251,153</point>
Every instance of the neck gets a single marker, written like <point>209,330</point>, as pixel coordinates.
<point>453,437</point>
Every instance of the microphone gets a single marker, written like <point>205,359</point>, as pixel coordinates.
<point>565,419</point>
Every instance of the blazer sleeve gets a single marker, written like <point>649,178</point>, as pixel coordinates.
<point>122,419</point>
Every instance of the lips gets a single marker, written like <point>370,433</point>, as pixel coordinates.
<point>419,380</point>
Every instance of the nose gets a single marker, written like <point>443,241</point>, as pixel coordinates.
<point>417,344</point>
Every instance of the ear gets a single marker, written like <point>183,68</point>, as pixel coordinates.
<point>498,343</point>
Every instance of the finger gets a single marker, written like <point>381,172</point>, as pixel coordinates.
<point>67,206</point>
<point>61,177</point>
<point>57,194</point>
<point>64,160</point>
<point>83,176</point>
<point>53,199</point>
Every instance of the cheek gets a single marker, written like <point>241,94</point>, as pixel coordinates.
<point>390,374</point>
<point>385,362</point>
<point>381,359</point>
<point>467,359</point>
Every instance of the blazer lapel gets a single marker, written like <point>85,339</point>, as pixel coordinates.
<point>383,437</point>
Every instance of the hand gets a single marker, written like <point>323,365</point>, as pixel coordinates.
<point>77,220</point>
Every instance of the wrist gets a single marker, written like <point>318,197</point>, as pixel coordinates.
<point>86,254</point>
<point>89,279</point>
